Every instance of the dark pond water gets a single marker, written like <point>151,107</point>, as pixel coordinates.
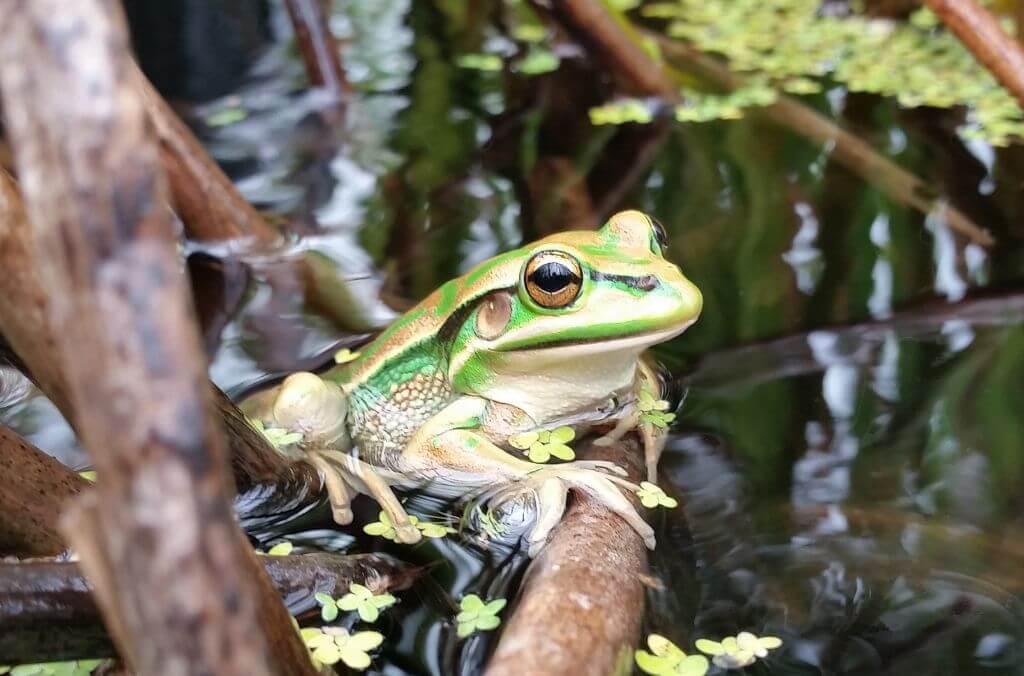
<point>849,449</point>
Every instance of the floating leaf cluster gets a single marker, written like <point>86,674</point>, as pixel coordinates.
<point>384,528</point>
<point>541,445</point>
<point>476,615</point>
<point>794,46</point>
<point>359,598</point>
<point>74,668</point>
<point>330,645</point>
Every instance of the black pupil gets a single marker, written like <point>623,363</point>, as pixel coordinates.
<point>659,233</point>
<point>552,277</point>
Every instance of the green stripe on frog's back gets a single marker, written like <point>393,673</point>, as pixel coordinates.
<point>425,321</point>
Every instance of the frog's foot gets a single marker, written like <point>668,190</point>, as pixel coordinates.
<point>551,485</point>
<point>353,473</point>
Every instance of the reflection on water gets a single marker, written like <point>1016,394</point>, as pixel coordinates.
<point>849,452</point>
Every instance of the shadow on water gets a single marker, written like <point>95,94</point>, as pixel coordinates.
<point>849,449</point>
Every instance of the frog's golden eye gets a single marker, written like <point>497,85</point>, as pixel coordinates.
<point>553,279</point>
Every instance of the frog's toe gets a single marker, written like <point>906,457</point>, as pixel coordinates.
<point>342,515</point>
<point>408,534</point>
<point>602,487</point>
<point>550,498</point>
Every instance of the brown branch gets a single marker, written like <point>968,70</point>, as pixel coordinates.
<point>176,580</point>
<point>598,31</point>
<point>318,47</point>
<point>48,614</point>
<point>23,302</point>
<point>622,55</point>
<point>982,35</point>
<point>582,602</point>
<point>203,196</point>
<point>268,484</point>
<point>33,489</point>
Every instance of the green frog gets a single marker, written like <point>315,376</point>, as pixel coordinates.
<point>546,337</point>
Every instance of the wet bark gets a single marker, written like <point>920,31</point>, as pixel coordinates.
<point>179,587</point>
<point>317,46</point>
<point>47,611</point>
<point>581,604</point>
<point>269,485</point>
<point>203,196</point>
<point>33,489</point>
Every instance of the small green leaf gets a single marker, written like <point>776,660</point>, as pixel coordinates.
<point>345,355</point>
<point>281,549</point>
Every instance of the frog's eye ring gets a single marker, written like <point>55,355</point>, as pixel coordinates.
<point>553,279</point>
<point>660,235</point>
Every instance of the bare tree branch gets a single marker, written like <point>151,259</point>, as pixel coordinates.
<point>176,579</point>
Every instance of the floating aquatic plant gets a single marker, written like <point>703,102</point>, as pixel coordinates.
<point>541,445</point>
<point>72,668</point>
<point>736,652</point>
<point>917,62</point>
<point>384,528</point>
<point>654,411</point>
<point>477,616</point>
<point>359,598</point>
<point>345,355</point>
<point>652,496</point>
<point>667,659</point>
<point>281,549</point>
<point>277,436</point>
<point>330,645</point>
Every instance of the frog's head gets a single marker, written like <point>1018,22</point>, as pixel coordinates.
<point>567,316</point>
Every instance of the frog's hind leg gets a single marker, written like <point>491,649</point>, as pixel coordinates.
<point>348,471</point>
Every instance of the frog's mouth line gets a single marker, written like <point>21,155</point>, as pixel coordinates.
<point>625,343</point>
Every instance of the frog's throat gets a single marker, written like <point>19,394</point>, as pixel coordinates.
<point>551,383</point>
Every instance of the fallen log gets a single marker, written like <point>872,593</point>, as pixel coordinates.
<point>178,584</point>
<point>581,604</point>
<point>48,614</point>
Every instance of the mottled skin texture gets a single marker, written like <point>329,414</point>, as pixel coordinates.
<point>544,336</point>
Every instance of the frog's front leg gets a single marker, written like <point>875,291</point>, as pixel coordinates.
<point>451,448</point>
<point>316,408</point>
<point>652,436</point>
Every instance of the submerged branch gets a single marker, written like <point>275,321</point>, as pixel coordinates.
<point>982,35</point>
<point>34,487</point>
<point>582,601</point>
<point>318,47</point>
<point>47,612</point>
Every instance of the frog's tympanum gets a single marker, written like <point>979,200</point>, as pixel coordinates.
<point>537,339</point>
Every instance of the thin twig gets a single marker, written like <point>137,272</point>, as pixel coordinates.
<point>318,47</point>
